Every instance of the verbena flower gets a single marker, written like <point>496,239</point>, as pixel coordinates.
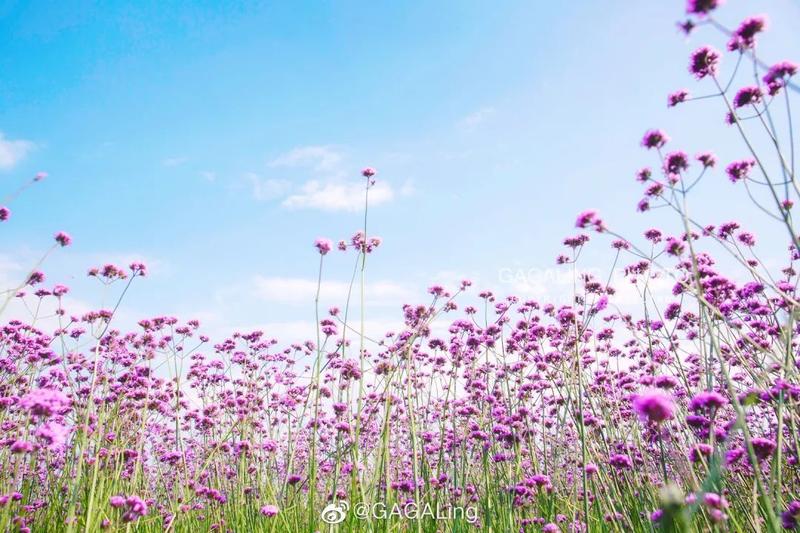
<point>323,245</point>
<point>702,7</point>
<point>704,62</point>
<point>654,406</point>
<point>654,139</point>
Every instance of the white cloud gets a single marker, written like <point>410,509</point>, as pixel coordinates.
<point>408,188</point>
<point>267,188</point>
<point>473,120</point>
<point>338,196</point>
<point>329,190</point>
<point>13,151</point>
<point>209,175</point>
<point>320,158</point>
<point>174,161</point>
<point>302,290</point>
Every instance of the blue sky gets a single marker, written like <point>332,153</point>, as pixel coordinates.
<point>194,136</point>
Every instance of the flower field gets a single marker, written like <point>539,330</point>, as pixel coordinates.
<point>485,412</point>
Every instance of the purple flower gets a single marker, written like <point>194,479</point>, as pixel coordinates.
<point>686,26</point>
<point>589,218</point>
<point>790,515</point>
<point>707,159</point>
<point>54,435</point>
<point>775,78</point>
<point>674,247</point>
<point>779,71</point>
<point>654,139</point>
<point>63,238</point>
<point>733,456</point>
<point>739,170</point>
<point>22,446</point>
<point>116,501</point>
<point>707,401</point>
<point>35,277</point>
<point>323,245</point>
<point>654,406</point>
<point>269,510</point>
<point>136,508</point>
<point>45,402</point>
<point>748,239</point>
<point>702,7</point>
<point>620,461</point>
<point>698,451</point>
<point>763,448</point>
<point>745,35</point>
<point>677,97</point>
<point>747,96</point>
<point>368,172</point>
<point>5,213</point>
<point>704,62</point>
<point>676,162</point>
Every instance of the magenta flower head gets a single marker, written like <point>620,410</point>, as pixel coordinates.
<point>747,96</point>
<point>739,170</point>
<point>654,139</point>
<point>323,245</point>
<point>654,406</point>
<point>269,510</point>
<point>45,402</point>
<point>779,71</point>
<point>5,214</point>
<point>677,97</point>
<point>707,159</point>
<point>116,501</point>
<point>590,218</point>
<point>620,461</point>
<point>707,401</point>
<point>60,290</point>
<point>63,238</point>
<point>53,434</point>
<point>138,268</point>
<point>36,276</point>
<point>704,62</point>
<point>368,172</point>
<point>676,162</point>
<point>686,26</point>
<point>763,448</point>
<point>745,35</point>
<point>136,508</point>
<point>702,7</point>
<point>790,516</point>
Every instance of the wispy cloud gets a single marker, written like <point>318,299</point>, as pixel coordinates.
<point>327,189</point>
<point>408,188</point>
<point>302,290</point>
<point>174,161</point>
<point>319,158</point>
<point>267,188</point>
<point>338,196</point>
<point>13,151</point>
<point>209,175</point>
<point>473,120</point>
